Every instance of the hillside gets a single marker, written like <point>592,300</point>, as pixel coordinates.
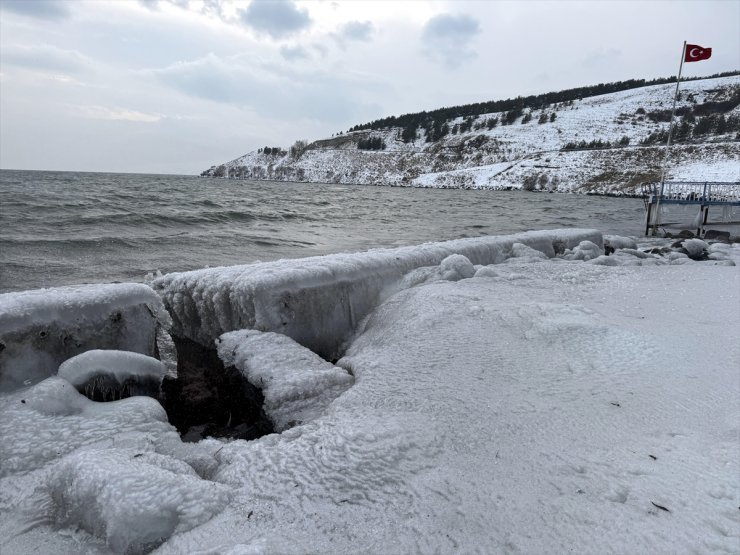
<point>607,144</point>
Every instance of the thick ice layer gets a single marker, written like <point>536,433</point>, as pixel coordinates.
<point>42,328</point>
<point>132,500</point>
<point>117,470</point>
<point>121,373</point>
<point>319,301</point>
<point>542,406</point>
<point>297,384</point>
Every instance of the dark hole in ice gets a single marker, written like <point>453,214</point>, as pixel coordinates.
<point>208,399</point>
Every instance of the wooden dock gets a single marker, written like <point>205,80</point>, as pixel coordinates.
<point>703,194</point>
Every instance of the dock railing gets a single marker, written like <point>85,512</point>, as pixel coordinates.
<point>701,193</point>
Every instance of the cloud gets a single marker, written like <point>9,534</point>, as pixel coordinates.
<point>39,9</point>
<point>117,114</point>
<point>293,53</point>
<point>46,57</point>
<point>207,7</point>
<point>447,39</point>
<point>277,18</point>
<point>357,30</point>
<point>270,91</point>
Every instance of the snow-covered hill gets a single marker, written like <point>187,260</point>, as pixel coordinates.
<point>545,149</point>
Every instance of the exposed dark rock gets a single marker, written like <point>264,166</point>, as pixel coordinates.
<point>716,235</point>
<point>211,399</point>
<point>686,234</point>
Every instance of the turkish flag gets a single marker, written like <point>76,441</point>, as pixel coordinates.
<point>694,53</point>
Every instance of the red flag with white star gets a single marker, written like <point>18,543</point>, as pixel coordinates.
<point>695,53</point>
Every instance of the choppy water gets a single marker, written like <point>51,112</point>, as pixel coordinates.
<point>59,228</point>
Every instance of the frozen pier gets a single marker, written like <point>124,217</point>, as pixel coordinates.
<point>704,194</point>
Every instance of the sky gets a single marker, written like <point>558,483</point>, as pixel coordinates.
<point>175,86</point>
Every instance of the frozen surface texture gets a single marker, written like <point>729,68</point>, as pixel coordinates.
<point>297,384</point>
<point>100,372</point>
<point>132,500</point>
<point>542,406</point>
<point>118,470</point>
<point>40,329</point>
<point>319,301</point>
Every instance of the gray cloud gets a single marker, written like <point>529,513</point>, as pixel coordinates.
<point>277,18</point>
<point>40,9</point>
<point>293,53</point>
<point>357,30</point>
<point>273,92</point>
<point>209,7</point>
<point>46,57</point>
<point>447,39</point>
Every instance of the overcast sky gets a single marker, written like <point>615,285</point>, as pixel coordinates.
<point>174,86</point>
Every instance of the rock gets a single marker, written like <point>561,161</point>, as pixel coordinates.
<point>696,249</point>
<point>713,234</point>
<point>686,234</point>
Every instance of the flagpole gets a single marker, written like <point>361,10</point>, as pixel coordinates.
<point>668,143</point>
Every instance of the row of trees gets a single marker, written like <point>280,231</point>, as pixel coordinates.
<point>595,144</point>
<point>532,102</point>
<point>272,151</point>
<point>696,128</point>
<point>434,130</point>
<point>371,143</point>
<point>697,110</point>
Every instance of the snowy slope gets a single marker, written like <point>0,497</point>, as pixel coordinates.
<point>510,156</point>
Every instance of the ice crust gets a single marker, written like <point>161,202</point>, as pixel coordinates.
<point>42,328</point>
<point>296,383</point>
<point>99,370</point>
<point>117,469</point>
<point>132,500</point>
<point>600,399</point>
<point>318,301</point>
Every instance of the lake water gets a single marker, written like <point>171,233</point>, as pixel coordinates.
<point>63,228</point>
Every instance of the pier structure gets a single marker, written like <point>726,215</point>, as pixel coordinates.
<point>703,194</point>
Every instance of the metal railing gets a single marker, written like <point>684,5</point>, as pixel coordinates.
<point>699,192</point>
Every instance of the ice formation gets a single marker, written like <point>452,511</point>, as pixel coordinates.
<point>42,328</point>
<point>319,301</point>
<point>296,383</point>
<point>619,242</point>
<point>695,248</point>
<point>453,268</point>
<point>117,469</point>
<point>603,400</point>
<point>109,374</point>
<point>586,250</point>
<point>133,500</point>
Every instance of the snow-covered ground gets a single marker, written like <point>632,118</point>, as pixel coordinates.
<point>578,403</point>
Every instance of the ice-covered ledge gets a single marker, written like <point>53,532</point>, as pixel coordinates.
<point>42,328</point>
<point>318,301</point>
